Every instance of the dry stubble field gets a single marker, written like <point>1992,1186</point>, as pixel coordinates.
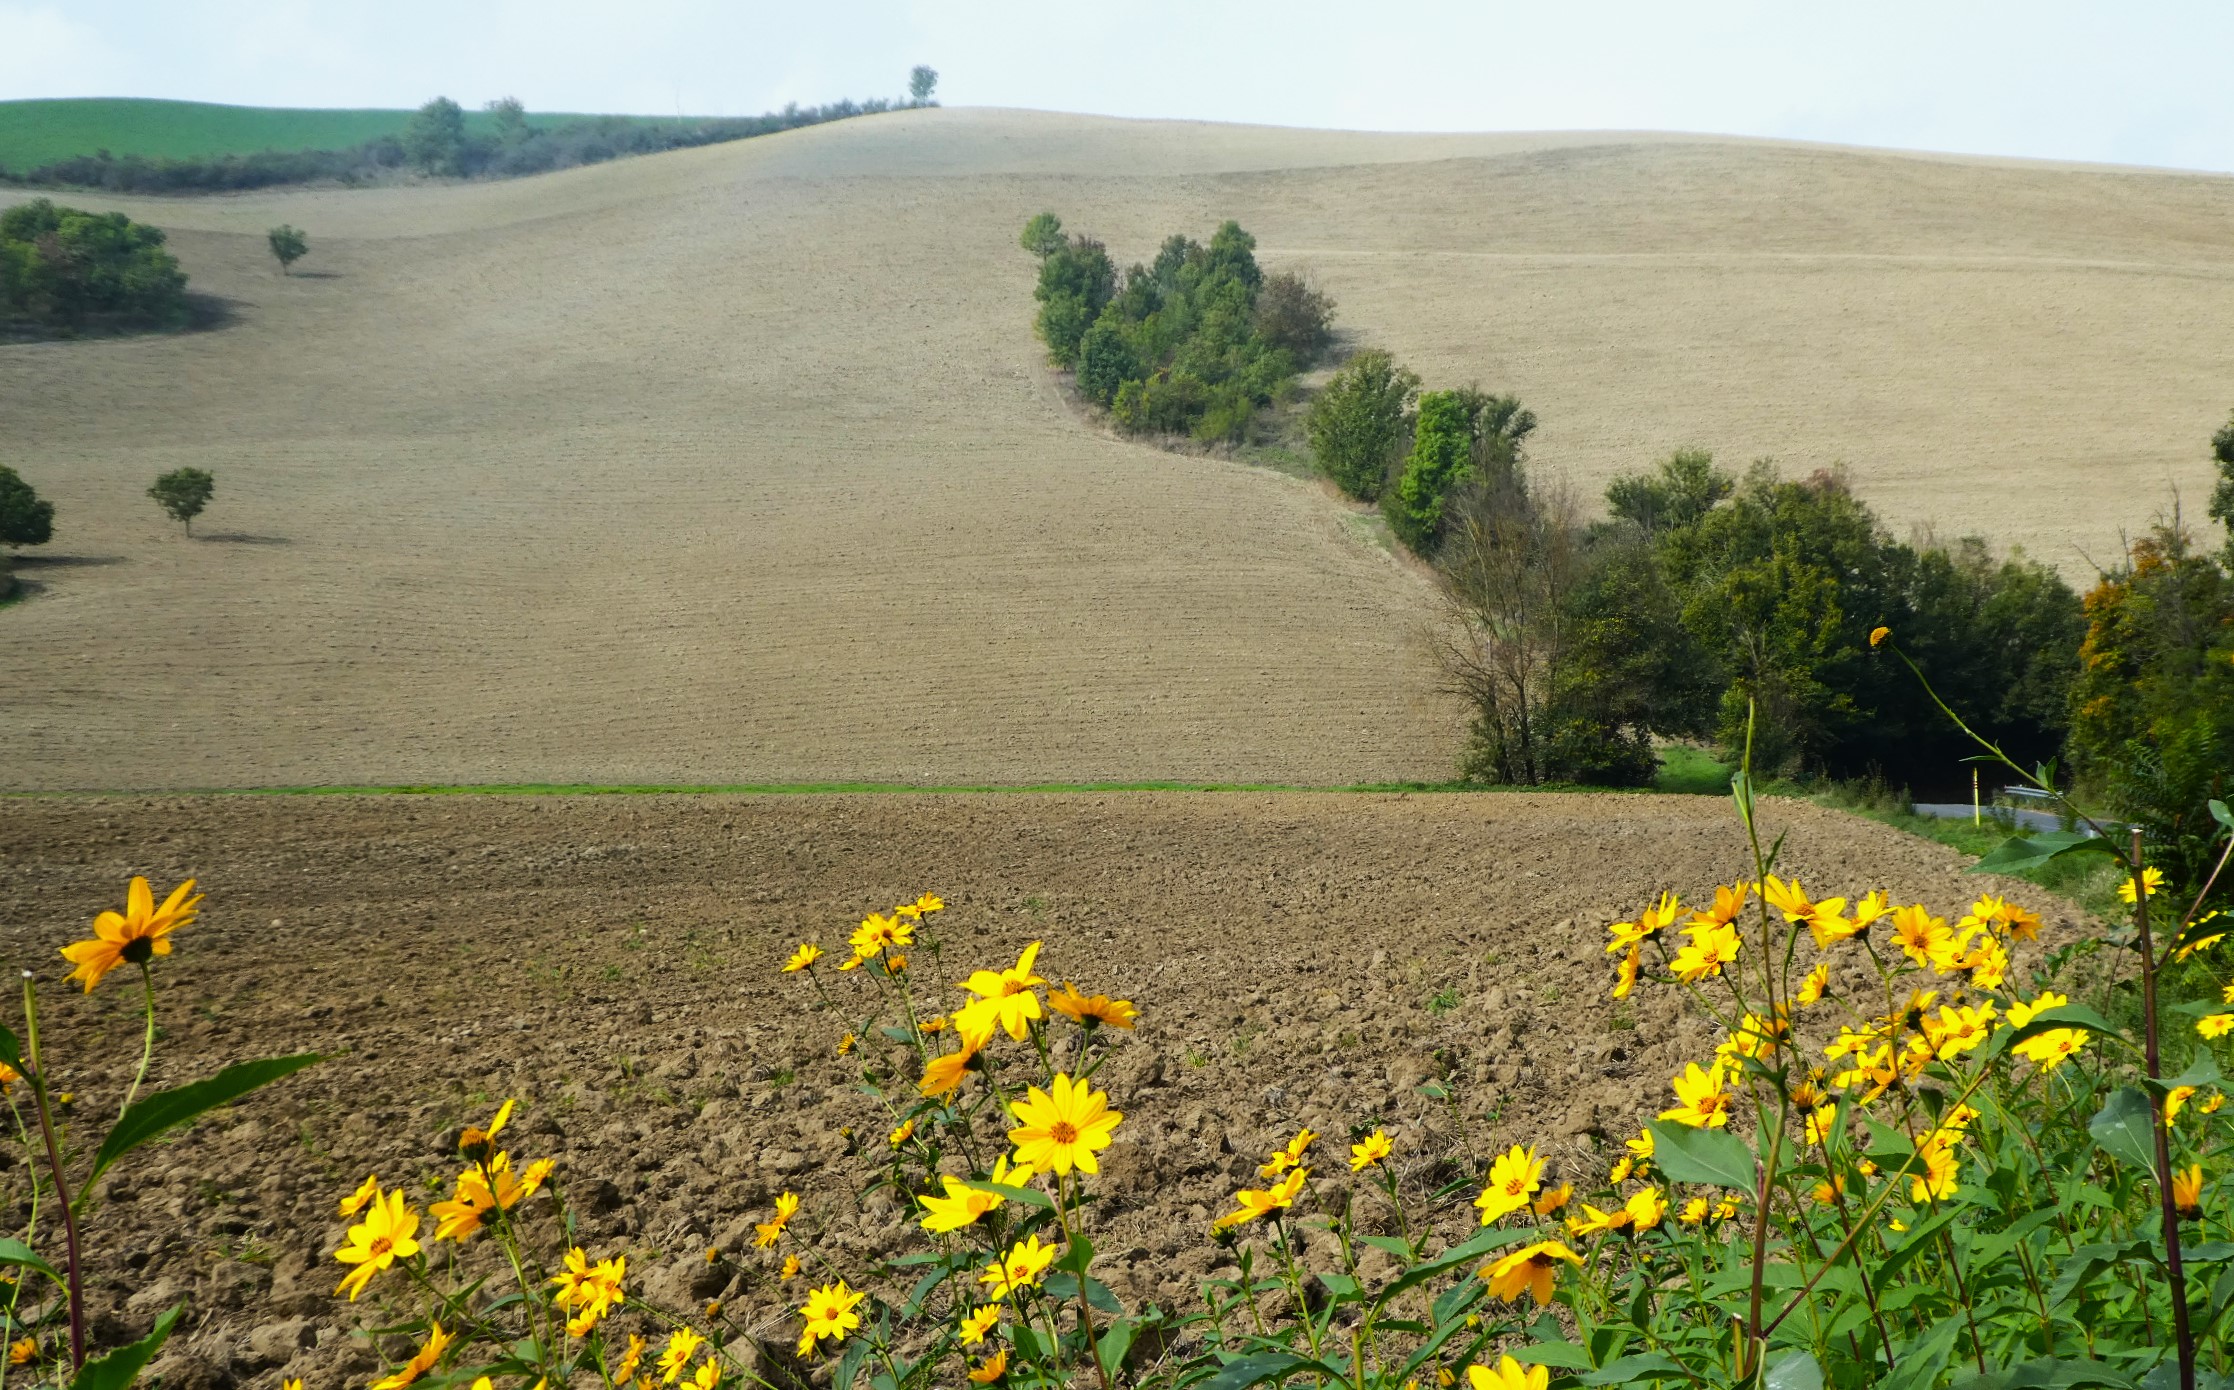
<point>740,465</point>
<point>612,962</point>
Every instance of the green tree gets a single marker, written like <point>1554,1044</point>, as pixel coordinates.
<point>25,519</point>
<point>1043,235</point>
<point>288,245</point>
<point>65,267</point>
<point>1461,439</point>
<point>509,120</point>
<point>1357,423</point>
<point>1686,487</point>
<point>434,139</point>
<point>1105,360</point>
<point>184,492</point>
<point>1292,315</point>
<point>1233,255</point>
<point>922,81</point>
<point>1075,284</point>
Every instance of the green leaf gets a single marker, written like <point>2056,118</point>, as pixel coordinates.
<point>2125,1127</point>
<point>1795,1372</point>
<point>15,1252</point>
<point>1030,1197</point>
<point>1711,1156</point>
<point>1115,1345</point>
<point>2048,1374</point>
<point>1245,1371</point>
<point>1062,1286</point>
<point>1565,1355</point>
<point>117,1370</point>
<point>1647,1365</point>
<point>2202,1071</point>
<point>1483,1242</point>
<point>2019,854</point>
<point>2061,1016</point>
<point>11,1051</point>
<point>1342,1287</point>
<point>2220,814</point>
<point>167,1110</point>
<point>1077,1257</point>
<point>1389,1245</point>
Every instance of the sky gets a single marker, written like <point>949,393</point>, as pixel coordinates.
<point>2137,82</point>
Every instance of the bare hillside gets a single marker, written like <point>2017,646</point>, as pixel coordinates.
<point>740,464</point>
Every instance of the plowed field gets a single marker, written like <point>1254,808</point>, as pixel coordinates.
<point>1298,960</point>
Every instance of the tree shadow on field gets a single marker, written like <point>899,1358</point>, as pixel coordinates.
<point>314,275</point>
<point>62,562</point>
<point>242,538</point>
<point>207,313</point>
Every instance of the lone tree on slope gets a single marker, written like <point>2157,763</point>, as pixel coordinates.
<point>921,83</point>
<point>183,492</point>
<point>288,245</point>
<point>24,519</point>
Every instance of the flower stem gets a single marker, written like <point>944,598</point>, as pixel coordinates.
<point>38,1077</point>
<point>2174,1269</point>
<point>147,1048</point>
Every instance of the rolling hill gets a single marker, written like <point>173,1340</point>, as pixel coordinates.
<point>740,464</point>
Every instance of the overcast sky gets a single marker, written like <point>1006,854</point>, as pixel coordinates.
<point>2129,82</point>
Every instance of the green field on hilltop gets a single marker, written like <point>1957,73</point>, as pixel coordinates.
<point>39,132</point>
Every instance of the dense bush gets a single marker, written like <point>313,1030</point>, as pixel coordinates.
<point>1194,344</point>
<point>65,268</point>
<point>1461,439</point>
<point>25,517</point>
<point>1710,607</point>
<point>435,144</point>
<point>1358,423</point>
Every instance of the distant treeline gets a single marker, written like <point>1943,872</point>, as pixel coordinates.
<point>436,142</point>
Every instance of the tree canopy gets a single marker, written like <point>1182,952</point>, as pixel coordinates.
<point>62,267</point>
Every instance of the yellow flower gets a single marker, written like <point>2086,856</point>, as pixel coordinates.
<point>20,1353</point>
<point>1709,949</point>
<point>943,1074</point>
<point>629,1360</point>
<point>1958,1029</point>
<point>1619,1173</point>
<point>1701,1101</point>
<point>1020,1268</point>
<point>682,1344</point>
<point>1288,1155</point>
<point>1530,1269</point>
<point>2187,1192</point>
<point>1628,936</point>
<point>588,1291</point>
<point>474,1142</point>
<point>894,963</point>
<point>1828,1191</point>
<point>1729,901</point>
<point>388,1233</point>
<point>709,1374</point>
<point>138,934</point>
<point>1595,1222</point>
<point>1811,988</point>
<point>961,1206</point>
<point>2175,1100</point>
<point>905,1132</point>
<point>1920,935</point>
<point>1554,1199</point>
<point>357,1201</point>
<point>1087,1011</point>
<point>1004,1000</point>
<point>767,1233</point>
<point>1625,974</point>
<point>1694,1211</point>
<point>1509,1375</point>
<point>1371,1150</point>
<point>1513,1178</point>
<point>2053,1048</point>
<point>1940,1170</point>
<point>845,1044</point>
<point>1257,1203</point>
<point>1879,634</point>
<point>1646,1209</point>
<point>421,1362</point>
<point>877,932</point>
<point>1062,1128</point>
<point>482,1189</point>
<point>790,1267</point>
<point>1787,898</point>
<point>977,1324</point>
<point>1727,1207</point>
<point>991,1368</point>
<point>2151,880</point>
<point>807,954</point>
<point>2215,1025</point>
<point>829,1314</point>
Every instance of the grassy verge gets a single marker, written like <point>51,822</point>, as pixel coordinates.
<point>821,789</point>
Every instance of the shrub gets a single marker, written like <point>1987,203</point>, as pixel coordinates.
<point>63,267</point>
<point>435,138</point>
<point>1043,235</point>
<point>1441,458</point>
<point>25,518</point>
<point>1292,315</point>
<point>288,245</point>
<point>1105,361</point>
<point>1358,422</point>
<point>184,492</point>
<point>1076,281</point>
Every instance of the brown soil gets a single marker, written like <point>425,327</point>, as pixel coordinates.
<point>611,961</point>
<point>741,464</point>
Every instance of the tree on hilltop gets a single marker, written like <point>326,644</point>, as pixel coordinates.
<point>183,492</point>
<point>921,83</point>
<point>24,518</point>
<point>435,138</point>
<point>288,245</point>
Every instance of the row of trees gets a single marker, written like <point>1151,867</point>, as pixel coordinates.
<point>62,267</point>
<point>1194,343</point>
<point>437,141</point>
